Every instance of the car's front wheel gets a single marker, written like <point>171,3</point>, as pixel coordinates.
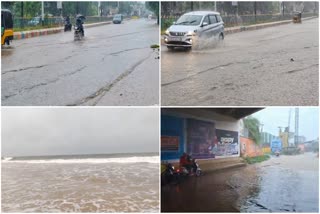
<point>170,47</point>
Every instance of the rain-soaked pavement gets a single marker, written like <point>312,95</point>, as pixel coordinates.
<point>113,65</point>
<point>272,66</point>
<point>284,184</point>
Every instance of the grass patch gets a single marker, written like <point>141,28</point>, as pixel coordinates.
<point>258,159</point>
<point>154,46</point>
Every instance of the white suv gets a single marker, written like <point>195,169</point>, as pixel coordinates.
<point>204,24</point>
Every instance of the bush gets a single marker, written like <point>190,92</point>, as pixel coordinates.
<point>257,159</point>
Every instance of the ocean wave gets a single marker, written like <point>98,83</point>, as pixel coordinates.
<point>135,159</point>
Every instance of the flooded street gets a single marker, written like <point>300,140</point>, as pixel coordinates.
<point>287,184</point>
<point>246,69</point>
<point>112,65</point>
<point>284,184</point>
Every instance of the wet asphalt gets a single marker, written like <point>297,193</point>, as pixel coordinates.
<point>266,67</point>
<point>112,65</point>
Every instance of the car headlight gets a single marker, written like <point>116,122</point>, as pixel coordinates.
<point>167,32</point>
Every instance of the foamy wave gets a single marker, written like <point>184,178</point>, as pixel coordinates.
<point>147,159</point>
<point>7,159</point>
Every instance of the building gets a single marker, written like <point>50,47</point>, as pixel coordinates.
<point>206,134</point>
<point>249,148</point>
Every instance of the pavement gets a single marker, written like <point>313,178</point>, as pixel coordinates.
<point>267,67</point>
<point>54,70</point>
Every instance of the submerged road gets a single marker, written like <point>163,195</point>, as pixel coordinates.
<point>272,66</point>
<point>113,65</point>
<point>280,184</point>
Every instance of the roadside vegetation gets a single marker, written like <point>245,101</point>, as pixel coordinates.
<point>257,159</point>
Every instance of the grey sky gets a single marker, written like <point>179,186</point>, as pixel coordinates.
<point>274,117</point>
<point>54,131</point>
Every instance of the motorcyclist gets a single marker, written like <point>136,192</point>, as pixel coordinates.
<point>67,20</point>
<point>79,24</point>
<point>186,161</point>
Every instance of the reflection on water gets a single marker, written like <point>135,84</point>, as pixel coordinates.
<point>284,188</point>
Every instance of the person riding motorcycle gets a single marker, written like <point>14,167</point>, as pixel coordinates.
<point>79,24</point>
<point>186,161</point>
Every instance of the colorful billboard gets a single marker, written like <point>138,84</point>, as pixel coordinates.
<point>170,143</point>
<point>200,137</point>
<point>227,143</point>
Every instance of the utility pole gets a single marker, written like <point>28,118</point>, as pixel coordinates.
<point>296,127</point>
<point>42,13</point>
<point>22,22</point>
<point>255,11</point>
<point>215,6</point>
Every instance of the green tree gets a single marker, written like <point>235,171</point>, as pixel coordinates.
<point>252,124</point>
<point>154,7</point>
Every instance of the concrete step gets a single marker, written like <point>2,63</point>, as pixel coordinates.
<point>215,168</point>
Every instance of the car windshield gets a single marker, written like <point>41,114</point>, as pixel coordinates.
<point>189,20</point>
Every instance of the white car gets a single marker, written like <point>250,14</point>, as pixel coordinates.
<point>204,24</point>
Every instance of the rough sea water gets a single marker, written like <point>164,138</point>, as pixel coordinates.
<point>81,183</point>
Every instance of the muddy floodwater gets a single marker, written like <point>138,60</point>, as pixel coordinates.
<point>287,184</point>
<point>281,184</point>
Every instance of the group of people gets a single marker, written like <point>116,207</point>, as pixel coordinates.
<point>79,22</point>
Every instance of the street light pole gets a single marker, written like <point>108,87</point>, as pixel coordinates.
<point>42,12</point>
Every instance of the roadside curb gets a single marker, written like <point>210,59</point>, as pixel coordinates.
<point>239,29</point>
<point>48,31</point>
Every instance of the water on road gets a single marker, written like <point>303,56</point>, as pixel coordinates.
<point>287,184</point>
<point>113,65</point>
<point>271,66</point>
<point>284,184</point>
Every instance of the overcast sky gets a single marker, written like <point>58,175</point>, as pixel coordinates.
<point>56,131</point>
<point>272,118</point>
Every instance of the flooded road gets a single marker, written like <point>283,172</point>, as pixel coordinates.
<point>284,184</point>
<point>287,184</point>
<point>112,65</point>
<point>255,68</point>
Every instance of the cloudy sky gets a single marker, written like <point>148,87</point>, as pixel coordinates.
<point>272,118</point>
<point>57,131</point>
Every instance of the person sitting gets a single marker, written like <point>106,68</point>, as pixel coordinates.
<point>79,23</point>
<point>186,161</point>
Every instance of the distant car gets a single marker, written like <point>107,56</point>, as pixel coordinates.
<point>34,21</point>
<point>204,24</point>
<point>117,19</point>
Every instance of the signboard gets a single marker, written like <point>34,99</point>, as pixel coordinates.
<point>227,143</point>
<point>170,143</point>
<point>59,5</point>
<point>200,138</point>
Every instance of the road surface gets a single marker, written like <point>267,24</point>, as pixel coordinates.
<point>284,184</point>
<point>113,65</point>
<point>271,66</point>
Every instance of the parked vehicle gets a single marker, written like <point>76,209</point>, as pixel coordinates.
<point>169,175</point>
<point>6,27</point>
<point>193,25</point>
<point>117,19</point>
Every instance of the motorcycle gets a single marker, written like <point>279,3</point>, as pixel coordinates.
<point>196,170</point>
<point>78,33</point>
<point>78,28</point>
<point>170,175</point>
<point>67,26</point>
